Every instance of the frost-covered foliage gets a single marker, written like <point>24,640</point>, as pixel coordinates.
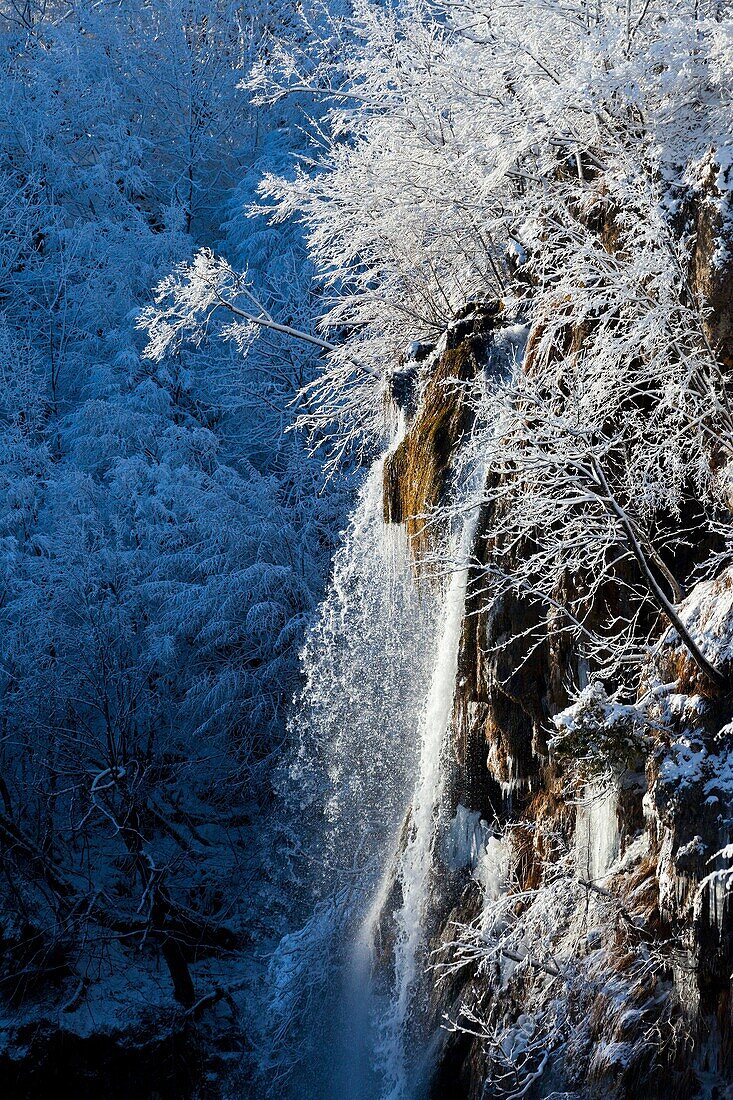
<point>565,989</point>
<point>597,738</point>
<point>472,129</point>
<point>539,153</point>
<point>546,136</point>
<point>162,544</point>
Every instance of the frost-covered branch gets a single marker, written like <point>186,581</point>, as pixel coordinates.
<point>186,301</point>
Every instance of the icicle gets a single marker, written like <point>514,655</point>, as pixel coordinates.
<point>466,839</point>
<point>596,832</point>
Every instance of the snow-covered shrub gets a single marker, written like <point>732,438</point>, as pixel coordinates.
<point>598,737</point>
<point>163,544</point>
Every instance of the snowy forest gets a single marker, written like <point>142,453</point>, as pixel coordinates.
<point>366,549</point>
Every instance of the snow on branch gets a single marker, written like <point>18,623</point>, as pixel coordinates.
<point>186,301</point>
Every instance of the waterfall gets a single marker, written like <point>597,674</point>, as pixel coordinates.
<point>367,664</point>
<point>415,862</point>
<point>401,1064</point>
<point>381,665</point>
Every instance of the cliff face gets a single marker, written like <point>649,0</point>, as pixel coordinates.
<point>706,213</point>
<point>584,946</point>
<point>432,389</point>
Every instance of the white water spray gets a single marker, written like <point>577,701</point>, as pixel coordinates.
<point>366,672</point>
<point>416,860</point>
<point>381,667</point>
<point>367,662</point>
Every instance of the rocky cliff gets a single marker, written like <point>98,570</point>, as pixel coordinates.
<point>580,927</point>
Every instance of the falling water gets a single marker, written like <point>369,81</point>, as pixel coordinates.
<point>381,668</point>
<point>365,667</point>
<point>416,859</point>
<point>368,665</point>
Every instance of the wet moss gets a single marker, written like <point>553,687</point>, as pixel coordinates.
<point>417,474</point>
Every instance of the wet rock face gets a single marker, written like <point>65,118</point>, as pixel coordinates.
<point>667,916</point>
<point>710,219</point>
<point>417,475</point>
<point>502,699</point>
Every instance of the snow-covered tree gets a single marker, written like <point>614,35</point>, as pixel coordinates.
<point>161,547</point>
<point>538,154</point>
